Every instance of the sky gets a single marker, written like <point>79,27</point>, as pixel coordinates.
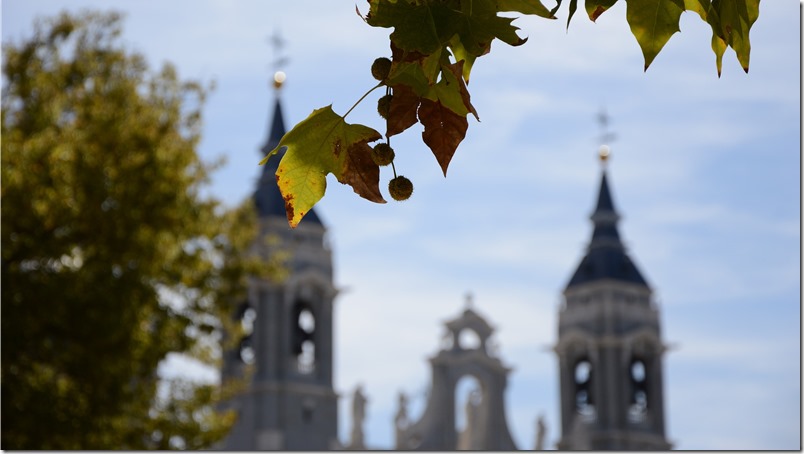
<point>705,172</point>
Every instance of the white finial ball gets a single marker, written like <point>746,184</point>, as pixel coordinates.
<point>279,78</point>
<point>604,152</point>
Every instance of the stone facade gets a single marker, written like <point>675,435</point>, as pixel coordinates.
<point>609,348</point>
<point>609,352</point>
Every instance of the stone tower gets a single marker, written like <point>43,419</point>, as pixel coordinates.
<point>486,426</point>
<point>609,346</point>
<point>290,403</point>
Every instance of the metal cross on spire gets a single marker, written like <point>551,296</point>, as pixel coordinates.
<point>606,136</point>
<point>469,298</point>
<point>279,60</point>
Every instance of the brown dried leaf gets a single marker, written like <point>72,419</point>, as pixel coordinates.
<point>402,114</point>
<point>443,130</point>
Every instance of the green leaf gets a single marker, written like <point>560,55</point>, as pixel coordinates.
<point>414,69</point>
<point>594,8</point>
<point>719,48</point>
<point>732,23</point>
<point>461,54</point>
<point>414,24</point>
<point>427,27</point>
<point>572,7</point>
<point>322,144</point>
<point>480,24</point>
<point>653,22</point>
<point>451,91</point>
<point>525,7</point>
<point>699,6</point>
<point>409,73</point>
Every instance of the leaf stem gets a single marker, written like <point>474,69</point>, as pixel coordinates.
<point>362,98</point>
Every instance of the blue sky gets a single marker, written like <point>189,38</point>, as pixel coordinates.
<point>704,171</point>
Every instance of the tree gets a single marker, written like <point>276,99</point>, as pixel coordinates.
<point>111,258</point>
<point>434,45</point>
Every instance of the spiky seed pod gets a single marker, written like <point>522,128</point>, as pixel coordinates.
<point>381,68</point>
<point>382,154</point>
<point>384,106</point>
<point>400,188</point>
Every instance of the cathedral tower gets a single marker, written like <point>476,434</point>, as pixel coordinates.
<point>467,352</point>
<point>609,346</point>
<point>290,403</point>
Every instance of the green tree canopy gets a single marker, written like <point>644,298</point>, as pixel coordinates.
<point>111,258</point>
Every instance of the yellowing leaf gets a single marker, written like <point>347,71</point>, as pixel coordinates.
<point>719,48</point>
<point>322,144</point>
<point>653,22</point>
<point>732,23</point>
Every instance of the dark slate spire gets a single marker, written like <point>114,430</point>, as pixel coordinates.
<point>267,198</point>
<point>606,257</point>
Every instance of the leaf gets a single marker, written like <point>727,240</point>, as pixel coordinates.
<point>426,27</point>
<point>699,6</point>
<point>443,130</point>
<point>404,105</point>
<point>719,48</point>
<point>480,24</point>
<point>414,24</point>
<point>446,90</point>
<point>525,7</point>
<point>732,23</point>
<point>414,69</point>
<point>573,6</point>
<point>594,8</point>
<point>322,144</point>
<point>461,54</point>
<point>411,74</point>
<point>653,22</point>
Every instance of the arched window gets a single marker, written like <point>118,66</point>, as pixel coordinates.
<point>303,345</point>
<point>247,316</point>
<point>468,339</point>
<point>582,376</point>
<point>638,377</point>
<point>468,400</point>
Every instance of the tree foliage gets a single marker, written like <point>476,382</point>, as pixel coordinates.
<point>434,46</point>
<point>111,258</point>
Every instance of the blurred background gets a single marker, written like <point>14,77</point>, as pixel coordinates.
<point>704,170</point>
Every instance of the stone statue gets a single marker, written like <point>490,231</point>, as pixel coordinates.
<point>469,438</point>
<point>541,428</point>
<point>401,419</point>
<point>358,415</point>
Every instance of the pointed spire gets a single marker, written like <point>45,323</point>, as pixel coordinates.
<point>605,257</point>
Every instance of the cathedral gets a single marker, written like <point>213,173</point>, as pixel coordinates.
<point>609,351</point>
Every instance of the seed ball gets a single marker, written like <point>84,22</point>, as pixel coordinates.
<point>382,154</point>
<point>384,106</point>
<point>381,68</point>
<point>400,188</point>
